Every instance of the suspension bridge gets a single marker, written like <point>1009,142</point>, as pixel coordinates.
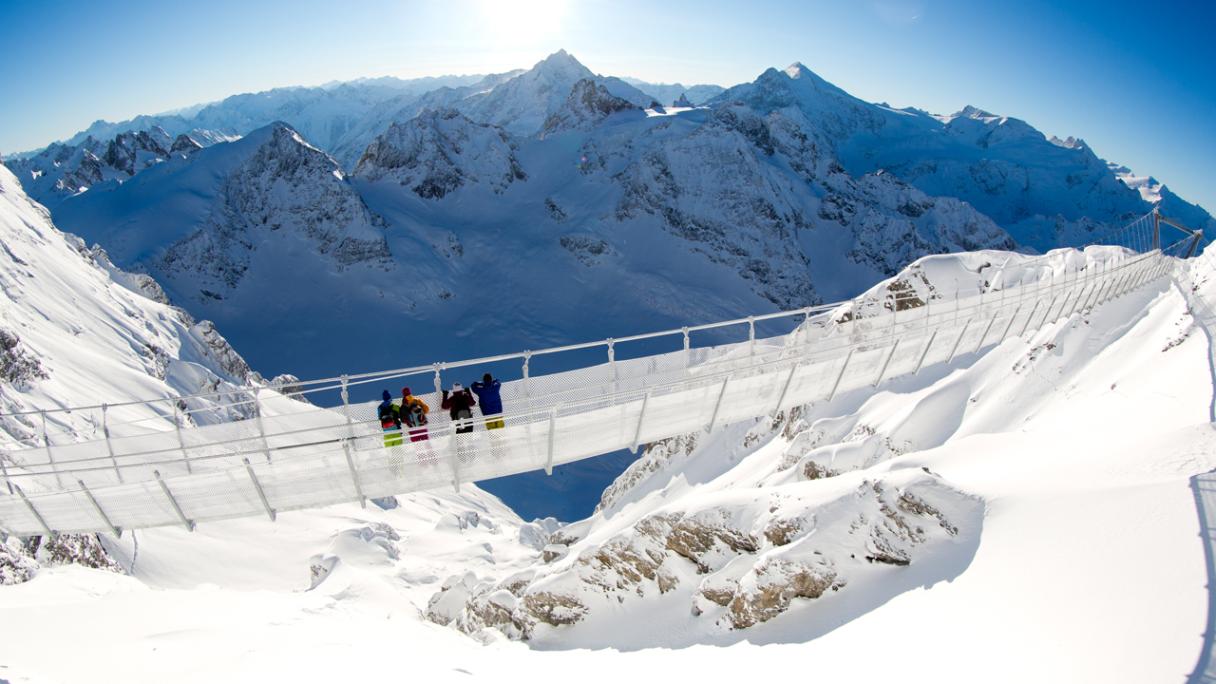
<point>281,453</point>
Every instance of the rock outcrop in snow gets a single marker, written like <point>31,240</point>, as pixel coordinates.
<point>285,188</point>
<point>63,170</point>
<point>736,561</point>
<point>441,151</point>
<point>588,104</point>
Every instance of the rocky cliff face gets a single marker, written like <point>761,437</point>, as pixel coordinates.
<point>63,170</point>
<point>285,190</point>
<point>588,104</point>
<point>440,151</point>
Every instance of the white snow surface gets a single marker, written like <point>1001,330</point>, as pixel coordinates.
<point>1063,459</point>
<point>97,333</point>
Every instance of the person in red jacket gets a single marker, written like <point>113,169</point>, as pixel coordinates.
<point>460,402</point>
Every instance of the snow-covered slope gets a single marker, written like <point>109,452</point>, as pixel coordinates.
<point>1046,474</point>
<point>78,331</point>
<point>1034,500</point>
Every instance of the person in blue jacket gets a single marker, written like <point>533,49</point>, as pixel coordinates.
<point>390,420</point>
<point>488,393</point>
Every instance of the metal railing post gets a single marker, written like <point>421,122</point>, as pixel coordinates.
<point>1156,228</point>
<point>957,342</point>
<point>4,471</point>
<point>181,441</point>
<point>438,380</point>
<point>1030,317</point>
<point>751,335</point>
<point>350,424</point>
<point>50,457</point>
<point>886,363</point>
<point>527,372</point>
<point>713,417</point>
<point>116,531</point>
<point>786,388</point>
<point>637,434</point>
<point>925,352</point>
<point>552,440</point>
<point>257,407</point>
<point>258,487</point>
<point>37,516</point>
<point>1012,318</point>
<point>354,474</point>
<point>840,375</point>
<point>1047,311</point>
<point>454,454</point>
<point>612,361</point>
<point>105,429</point>
<point>164,487</point>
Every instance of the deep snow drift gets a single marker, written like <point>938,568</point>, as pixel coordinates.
<point>1033,500</point>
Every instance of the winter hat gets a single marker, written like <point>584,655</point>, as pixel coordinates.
<point>456,387</point>
<point>405,391</point>
<point>386,395</point>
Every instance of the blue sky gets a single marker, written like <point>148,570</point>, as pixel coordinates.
<point>1134,79</point>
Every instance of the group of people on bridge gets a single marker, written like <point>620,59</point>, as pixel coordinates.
<point>409,416</point>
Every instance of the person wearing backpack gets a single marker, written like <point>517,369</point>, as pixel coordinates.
<point>413,414</point>
<point>488,391</point>
<point>390,420</point>
<point>459,402</point>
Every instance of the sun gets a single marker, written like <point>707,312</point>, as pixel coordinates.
<point>521,23</point>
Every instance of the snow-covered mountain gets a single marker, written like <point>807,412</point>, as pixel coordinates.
<point>668,93</point>
<point>747,212</point>
<point>438,152</point>
<point>1045,192</point>
<point>351,146</point>
<point>322,113</point>
<point>522,104</point>
<point>236,221</point>
<point>62,170</point>
<point>1156,193</point>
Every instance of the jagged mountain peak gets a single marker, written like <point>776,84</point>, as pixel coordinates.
<point>588,103</point>
<point>973,112</point>
<point>560,64</point>
<point>440,151</point>
<point>1070,143</point>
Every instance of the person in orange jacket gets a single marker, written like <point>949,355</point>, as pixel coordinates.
<point>413,414</point>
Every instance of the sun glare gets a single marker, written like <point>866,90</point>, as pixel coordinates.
<point>521,22</point>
